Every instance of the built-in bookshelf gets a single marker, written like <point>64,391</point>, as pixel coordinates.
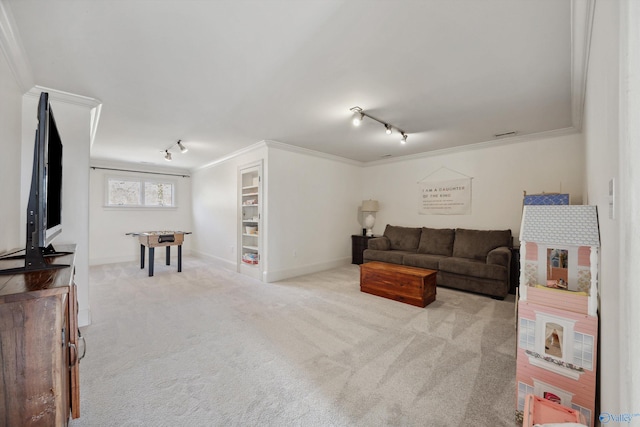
<point>249,234</point>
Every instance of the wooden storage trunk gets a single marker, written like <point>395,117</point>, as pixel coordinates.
<point>411,285</point>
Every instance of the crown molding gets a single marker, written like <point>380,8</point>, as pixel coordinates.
<point>582,12</point>
<point>64,97</point>
<point>280,146</point>
<point>308,152</point>
<point>480,145</point>
<point>461,148</point>
<point>11,45</point>
<point>92,104</point>
<point>232,155</point>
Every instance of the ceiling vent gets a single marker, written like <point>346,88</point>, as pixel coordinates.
<point>506,134</point>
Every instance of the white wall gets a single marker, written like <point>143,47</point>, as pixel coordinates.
<point>312,212</point>
<point>601,138</point>
<point>629,345</point>
<point>11,235</point>
<point>215,207</point>
<point>611,152</point>
<point>108,226</point>
<point>500,175</point>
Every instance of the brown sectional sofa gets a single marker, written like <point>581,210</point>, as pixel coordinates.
<point>470,260</point>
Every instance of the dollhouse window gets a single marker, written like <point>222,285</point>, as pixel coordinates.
<point>554,338</point>
<point>583,411</point>
<point>552,397</point>
<point>583,350</point>
<point>523,390</point>
<point>553,341</point>
<point>552,393</point>
<point>527,334</point>
<point>558,266</point>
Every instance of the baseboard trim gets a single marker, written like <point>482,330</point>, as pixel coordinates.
<point>225,263</point>
<point>274,276</point>
<point>84,317</point>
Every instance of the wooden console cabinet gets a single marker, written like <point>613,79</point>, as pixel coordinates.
<point>39,382</point>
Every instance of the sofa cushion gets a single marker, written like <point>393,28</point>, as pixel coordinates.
<point>403,238</point>
<point>500,256</point>
<point>379,243</point>
<point>427,261</point>
<point>473,268</point>
<point>393,257</point>
<point>476,244</point>
<point>436,241</point>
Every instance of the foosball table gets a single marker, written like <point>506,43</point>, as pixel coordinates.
<point>154,239</point>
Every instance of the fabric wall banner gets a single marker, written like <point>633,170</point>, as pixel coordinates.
<point>451,197</point>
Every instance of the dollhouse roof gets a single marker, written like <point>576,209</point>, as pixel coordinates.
<point>575,225</point>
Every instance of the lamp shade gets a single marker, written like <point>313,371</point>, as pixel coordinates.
<point>369,206</point>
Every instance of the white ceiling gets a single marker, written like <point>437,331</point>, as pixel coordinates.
<point>222,75</point>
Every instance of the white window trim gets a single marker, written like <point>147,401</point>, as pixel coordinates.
<point>567,346</point>
<point>142,181</point>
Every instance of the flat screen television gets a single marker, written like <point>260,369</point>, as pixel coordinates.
<point>44,208</point>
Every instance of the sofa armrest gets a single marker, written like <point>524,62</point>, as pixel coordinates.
<point>379,243</point>
<point>500,256</point>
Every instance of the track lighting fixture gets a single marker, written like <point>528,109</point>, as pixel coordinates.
<point>358,115</point>
<point>357,119</point>
<point>182,148</point>
<point>167,153</point>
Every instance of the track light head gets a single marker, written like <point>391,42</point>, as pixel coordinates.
<point>182,148</point>
<point>167,155</point>
<point>358,115</point>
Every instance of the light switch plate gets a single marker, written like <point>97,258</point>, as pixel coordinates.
<point>612,198</point>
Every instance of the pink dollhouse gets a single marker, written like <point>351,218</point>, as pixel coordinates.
<point>557,306</point>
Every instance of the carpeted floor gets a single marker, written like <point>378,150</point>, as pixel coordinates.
<point>210,347</point>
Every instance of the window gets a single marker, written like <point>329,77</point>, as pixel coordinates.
<point>583,350</point>
<point>553,337</point>
<point>139,192</point>
<point>523,390</point>
<point>583,411</point>
<point>527,334</point>
<point>158,194</point>
<point>553,342</point>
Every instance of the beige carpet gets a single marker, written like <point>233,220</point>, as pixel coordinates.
<point>210,347</point>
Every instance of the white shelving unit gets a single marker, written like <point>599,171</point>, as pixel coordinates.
<point>250,199</point>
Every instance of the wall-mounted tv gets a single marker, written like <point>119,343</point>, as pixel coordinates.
<point>44,208</point>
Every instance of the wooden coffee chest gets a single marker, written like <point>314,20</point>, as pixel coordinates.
<point>411,285</point>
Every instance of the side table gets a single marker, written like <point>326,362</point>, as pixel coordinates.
<point>358,245</point>
<point>514,280</point>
